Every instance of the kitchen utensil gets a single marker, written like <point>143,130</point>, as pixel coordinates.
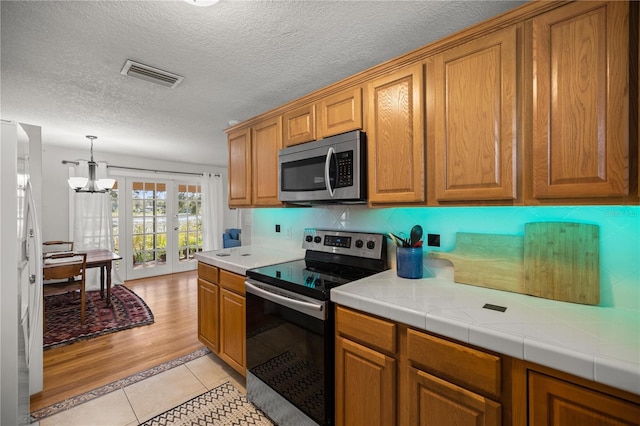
<point>394,239</point>
<point>399,241</point>
<point>415,235</point>
<point>562,261</point>
<point>487,260</point>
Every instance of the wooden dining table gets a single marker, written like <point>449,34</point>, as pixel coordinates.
<point>103,259</point>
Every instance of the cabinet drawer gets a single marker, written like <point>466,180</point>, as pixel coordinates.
<point>470,368</point>
<point>208,272</point>
<point>231,281</point>
<point>373,332</point>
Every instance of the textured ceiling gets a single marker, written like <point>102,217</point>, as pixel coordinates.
<point>61,62</point>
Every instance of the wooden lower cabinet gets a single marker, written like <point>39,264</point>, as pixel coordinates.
<point>365,385</point>
<point>208,308</point>
<point>221,314</point>
<point>436,402</point>
<point>390,374</point>
<point>555,402</point>
<point>232,330</point>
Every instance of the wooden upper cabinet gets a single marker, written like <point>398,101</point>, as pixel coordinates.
<point>471,93</point>
<point>340,113</point>
<point>580,101</point>
<point>299,125</point>
<point>239,168</point>
<point>267,140</point>
<point>395,137</point>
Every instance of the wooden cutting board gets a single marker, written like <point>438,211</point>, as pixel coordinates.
<point>562,261</point>
<point>487,260</point>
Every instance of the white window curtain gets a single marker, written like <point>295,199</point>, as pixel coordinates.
<point>91,224</point>
<point>212,212</point>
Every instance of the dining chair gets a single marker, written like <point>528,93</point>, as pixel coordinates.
<point>56,246</point>
<point>66,272</point>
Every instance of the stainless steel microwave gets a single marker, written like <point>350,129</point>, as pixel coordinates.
<point>331,170</point>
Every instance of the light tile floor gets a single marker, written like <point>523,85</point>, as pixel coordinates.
<point>143,400</point>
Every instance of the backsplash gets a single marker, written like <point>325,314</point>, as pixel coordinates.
<point>619,232</point>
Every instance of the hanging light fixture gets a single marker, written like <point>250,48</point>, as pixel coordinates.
<point>202,2</point>
<point>92,184</point>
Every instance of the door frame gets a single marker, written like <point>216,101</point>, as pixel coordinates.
<point>124,177</point>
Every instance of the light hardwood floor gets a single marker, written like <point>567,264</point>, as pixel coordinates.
<point>80,367</point>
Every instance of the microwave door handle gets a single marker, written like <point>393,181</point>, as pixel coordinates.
<point>327,178</point>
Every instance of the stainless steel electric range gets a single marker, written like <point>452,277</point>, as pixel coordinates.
<point>290,324</point>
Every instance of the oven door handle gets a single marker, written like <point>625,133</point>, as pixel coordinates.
<point>296,305</point>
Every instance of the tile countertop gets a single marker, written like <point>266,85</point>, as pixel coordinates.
<point>239,259</point>
<point>596,343</point>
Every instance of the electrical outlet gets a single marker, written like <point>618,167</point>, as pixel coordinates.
<point>433,240</point>
<point>277,228</point>
<point>287,231</point>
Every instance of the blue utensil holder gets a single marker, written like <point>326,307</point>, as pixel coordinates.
<point>409,262</point>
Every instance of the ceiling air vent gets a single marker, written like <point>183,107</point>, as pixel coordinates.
<point>154,75</point>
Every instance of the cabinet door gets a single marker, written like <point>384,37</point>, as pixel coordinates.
<point>267,140</point>
<point>232,330</point>
<point>395,136</point>
<point>299,125</point>
<point>340,113</point>
<point>208,302</point>
<point>365,386</point>
<point>580,101</point>
<point>554,402</point>
<point>436,402</point>
<point>475,92</point>
<point>239,168</point>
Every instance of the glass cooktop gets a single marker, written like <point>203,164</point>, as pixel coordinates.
<point>310,278</point>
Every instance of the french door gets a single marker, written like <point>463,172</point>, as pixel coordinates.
<point>163,226</point>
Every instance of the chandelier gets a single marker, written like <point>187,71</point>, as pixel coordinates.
<point>91,184</point>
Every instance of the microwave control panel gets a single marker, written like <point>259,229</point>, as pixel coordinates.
<point>345,169</point>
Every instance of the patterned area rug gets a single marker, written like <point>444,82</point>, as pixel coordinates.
<point>298,380</point>
<point>223,405</point>
<point>62,314</point>
<point>118,384</point>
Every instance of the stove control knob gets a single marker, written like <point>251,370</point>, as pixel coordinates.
<point>308,238</point>
<point>317,239</point>
<point>371,245</point>
<point>359,243</point>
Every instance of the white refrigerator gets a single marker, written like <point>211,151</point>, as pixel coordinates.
<point>20,271</point>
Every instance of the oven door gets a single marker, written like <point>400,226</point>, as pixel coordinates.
<point>289,355</point>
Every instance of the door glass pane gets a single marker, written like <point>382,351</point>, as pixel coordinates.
<point>189,221</point>
<point>149,238</point>
<point>115,223</point>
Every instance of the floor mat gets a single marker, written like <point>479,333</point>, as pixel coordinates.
<point>223,405</point>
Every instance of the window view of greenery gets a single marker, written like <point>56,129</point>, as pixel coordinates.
<point>150,223</point>
<point>115,223</point>
<point>190,221</point>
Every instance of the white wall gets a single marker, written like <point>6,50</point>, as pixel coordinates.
<point>55,190</point>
